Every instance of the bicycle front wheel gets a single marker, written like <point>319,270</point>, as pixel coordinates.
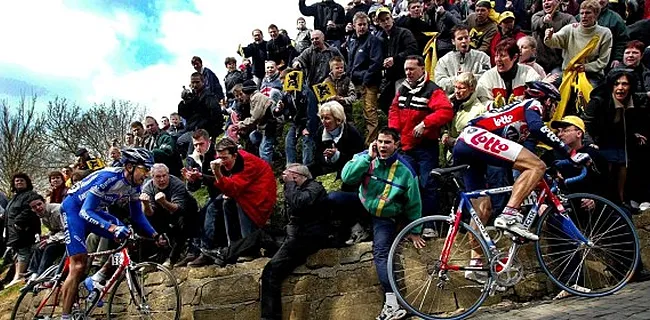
<point>430,290</point>
<point>146,291</point>
<point>599,266</point>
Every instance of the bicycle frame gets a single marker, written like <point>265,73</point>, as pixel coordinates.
<point>64,267</point>
<point>543,193</point>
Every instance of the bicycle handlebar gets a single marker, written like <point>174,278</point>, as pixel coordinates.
<point>567,163</point>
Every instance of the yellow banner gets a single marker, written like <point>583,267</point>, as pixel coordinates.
<point>574,81</point>
<point>324,91</point>
<point>430,55</point>
<point>293,81</point>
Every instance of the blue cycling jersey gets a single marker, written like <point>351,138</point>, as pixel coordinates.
<point>89,198</point>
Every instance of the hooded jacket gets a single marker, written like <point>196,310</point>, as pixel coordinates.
<point>21,222</point>
<point>322,12</point>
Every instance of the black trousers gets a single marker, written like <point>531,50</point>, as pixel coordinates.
<point>299,244</point>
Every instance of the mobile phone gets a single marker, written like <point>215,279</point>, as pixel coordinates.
<point>329,143</point>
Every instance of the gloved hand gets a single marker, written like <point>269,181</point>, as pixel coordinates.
<point>580,158</point>
<point>121,232</point>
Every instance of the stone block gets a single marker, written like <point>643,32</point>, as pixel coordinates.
<point>236,288</point>
<point>323,258</point>
<point>356,252</point>
<point>241,311</point>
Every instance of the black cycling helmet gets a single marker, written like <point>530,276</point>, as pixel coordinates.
<point>138,156</point>
<point>541,90</point>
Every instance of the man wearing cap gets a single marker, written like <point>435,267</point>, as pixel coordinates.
<point>507,29</point>
<point>482,29</point>
<point>571,130</point>
<point>399,43</point>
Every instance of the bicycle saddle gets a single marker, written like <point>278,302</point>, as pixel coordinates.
<point>446,171</point>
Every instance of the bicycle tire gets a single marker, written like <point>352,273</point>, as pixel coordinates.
<point>156,267</point>
<point>29,289</point>
<point>599,267</point>
<point>464,229</point>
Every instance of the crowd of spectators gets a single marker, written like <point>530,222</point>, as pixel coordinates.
<point>416,71</point>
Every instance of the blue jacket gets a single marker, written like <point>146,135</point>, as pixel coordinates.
<point>365,60</point>
<point>212,83</point>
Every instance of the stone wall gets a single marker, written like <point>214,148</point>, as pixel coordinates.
<point>333,284</point>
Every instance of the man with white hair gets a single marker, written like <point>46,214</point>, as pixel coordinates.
<point>169,207</point>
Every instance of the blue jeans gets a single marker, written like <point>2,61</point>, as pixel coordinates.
<point>246,226</point>
<point>423,159</point>
<point>384,231</point>
<point>215,214</point>
<point>290,143</point>
<point>44,258</point>
<point>266,145</point>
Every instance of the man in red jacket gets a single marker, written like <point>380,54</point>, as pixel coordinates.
<point>249,181</point>
<point>418,111</point>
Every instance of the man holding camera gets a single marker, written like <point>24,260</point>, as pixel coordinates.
<point>201,110</point>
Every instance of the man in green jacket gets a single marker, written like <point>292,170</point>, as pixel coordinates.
<point>389,191</point>
<point>162,145</point>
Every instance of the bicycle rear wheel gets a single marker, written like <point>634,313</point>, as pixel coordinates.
<point>599,267</point>
<point>421,285</point>
<point>154,294</point>
<point>39,300</point>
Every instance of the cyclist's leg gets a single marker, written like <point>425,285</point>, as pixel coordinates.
<point>474,179</point>
<point>75,245</point>
<point>532,170</point>
<point>498,151</point>
<point>107,268</point>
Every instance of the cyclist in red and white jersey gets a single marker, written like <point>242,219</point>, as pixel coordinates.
<point>495,138</point>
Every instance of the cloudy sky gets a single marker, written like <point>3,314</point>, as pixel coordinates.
<point>138,50</point>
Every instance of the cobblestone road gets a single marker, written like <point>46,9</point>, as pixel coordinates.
<point>629,303</point>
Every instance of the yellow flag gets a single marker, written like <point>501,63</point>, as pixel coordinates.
<point>240,51</point>
<point>429,53</point>
<point>324,91</point>
<point>293,81</point>
<point>573,81</point>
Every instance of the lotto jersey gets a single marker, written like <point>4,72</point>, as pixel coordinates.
<point>509,121</point>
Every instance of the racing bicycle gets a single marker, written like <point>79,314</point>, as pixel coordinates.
<point>145,290</point>
<point>587,246</point>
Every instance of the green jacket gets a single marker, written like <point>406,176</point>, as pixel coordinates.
<point>163,148</point>
<point>613,21</point>
<point>388,188</point>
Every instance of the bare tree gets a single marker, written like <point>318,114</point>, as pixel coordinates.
<point>103,123</point>
<point>61,124</point>
<point>21,143</point>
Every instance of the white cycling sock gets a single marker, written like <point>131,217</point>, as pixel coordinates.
<point>99,276</point>
<point>391,299</point>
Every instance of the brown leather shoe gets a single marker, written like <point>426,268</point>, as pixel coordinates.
<point>201,261</point>
<point>188,258</point>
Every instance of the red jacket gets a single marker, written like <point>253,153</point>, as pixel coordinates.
<point>253,187</point>
<point>426,102</point>
<point>497,38</point>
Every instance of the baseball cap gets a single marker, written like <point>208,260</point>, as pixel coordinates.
<point>484,3</point>
<point>505,15</point>
<point>569,121</point>
<point>383,10</point>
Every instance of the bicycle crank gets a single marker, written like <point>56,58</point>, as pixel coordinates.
<point>506,271</point>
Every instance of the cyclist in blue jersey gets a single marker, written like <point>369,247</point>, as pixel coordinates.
<point>494,139</point>
<point>85,212</point>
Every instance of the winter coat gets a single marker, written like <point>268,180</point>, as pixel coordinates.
<point>348,143</point>
<point>399,43</point>
<point>316,63</point>
<point>365,60</point>
<point>251,184</point>
<point>322,12</point>
<point>202,111</point>
<point>21,222</point>
<point>306,204</point>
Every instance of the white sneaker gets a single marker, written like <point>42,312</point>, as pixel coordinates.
<point>391,313</point>
<point>429,233</point>
<point>167,264</point>
<point>513,224</point>
<point>359,234</point>
<point>644,206</point>
<point>33,277</point>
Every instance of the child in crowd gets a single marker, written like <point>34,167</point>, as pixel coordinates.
<point>345,93</point>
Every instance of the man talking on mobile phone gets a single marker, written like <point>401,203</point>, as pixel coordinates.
<point>390,192</point>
